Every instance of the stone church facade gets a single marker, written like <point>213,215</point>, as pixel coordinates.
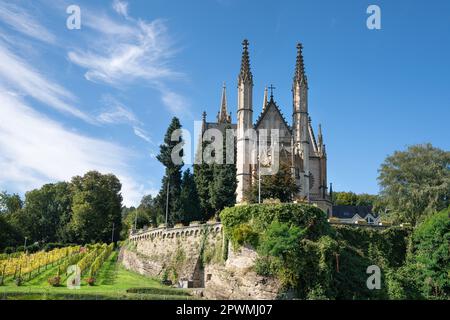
<point>298,147</point>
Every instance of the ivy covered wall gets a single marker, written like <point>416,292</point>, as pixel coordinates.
<point>314,260</point>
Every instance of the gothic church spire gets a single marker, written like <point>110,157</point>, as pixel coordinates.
<point>265,99</point>
<point>223,116</point>
<point>245,74</point>
<point>300,75</point>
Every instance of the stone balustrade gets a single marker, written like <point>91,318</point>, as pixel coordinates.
<point>176,232</point>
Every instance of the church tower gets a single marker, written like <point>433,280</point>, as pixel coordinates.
<point>244,123</point>
<point>301,123</point>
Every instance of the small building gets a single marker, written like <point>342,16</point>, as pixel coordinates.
<point>355,215</point>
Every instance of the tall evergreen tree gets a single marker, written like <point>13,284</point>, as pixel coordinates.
<point>189,198</point>
<point>172,177</point>
<point>203,176</point>
<point>223,186</point>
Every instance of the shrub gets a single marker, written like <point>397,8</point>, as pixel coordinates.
<point>33,248</point>
<point>162,291</point>
<point>54,281</point>
<point>244,235</point>
<point>386,247</point>
<point>311,218</point>
<point>52,245</point>
<point>18,281</point>
<point>90,281</point>
<point>9,250</point>
<point>165,278</point>
<point>280,239</point>
<point>430,256</point>
<point>317,293</point>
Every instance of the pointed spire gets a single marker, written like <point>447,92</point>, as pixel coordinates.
<point>245,75</point>
<point>265,99</point>
<point>320,138</point>
<point>223,113</point>
<point>300,75</point>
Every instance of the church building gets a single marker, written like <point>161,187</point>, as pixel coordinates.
<point>298,146</point>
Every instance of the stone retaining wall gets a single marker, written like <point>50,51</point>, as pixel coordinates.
<point>182,250</point>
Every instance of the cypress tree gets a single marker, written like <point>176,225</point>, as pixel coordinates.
<point>203,176</point>
<point>223,186</point>
<point>172,176</point>
<point>189,198</point>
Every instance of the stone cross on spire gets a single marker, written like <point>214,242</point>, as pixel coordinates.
<point>245,74</point>
<point>271,91</point>
<point>300,75</point>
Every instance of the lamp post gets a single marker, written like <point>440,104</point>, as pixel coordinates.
<point>25,245</point>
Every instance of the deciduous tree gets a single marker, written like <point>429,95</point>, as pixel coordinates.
<point>416,182</point>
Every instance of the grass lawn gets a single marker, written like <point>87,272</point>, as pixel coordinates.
<point>112,281</point>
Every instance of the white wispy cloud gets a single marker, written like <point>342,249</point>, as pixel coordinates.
<point>175,102</point>
<point>37,150</point>
<point>141,133</point>
<point>136,50</point>
<point>121,7</point>
<point>131,50</point>
<point>20,75</point>
<point>24,22</point>
<point>116,113</point>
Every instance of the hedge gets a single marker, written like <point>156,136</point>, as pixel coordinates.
<point>159,291</point>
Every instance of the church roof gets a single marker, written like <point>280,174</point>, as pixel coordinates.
<point>266,109</point>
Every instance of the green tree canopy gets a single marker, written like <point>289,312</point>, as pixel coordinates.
<point>353,199</point>
<point>431,255</point>
<point>416,182</point>
<point>10,203</point>
<point>46,213</point>
<point>97,204</point>
<point>10,236</point>
<point>279,186</point>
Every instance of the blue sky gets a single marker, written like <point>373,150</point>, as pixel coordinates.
<point>101,97</point>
